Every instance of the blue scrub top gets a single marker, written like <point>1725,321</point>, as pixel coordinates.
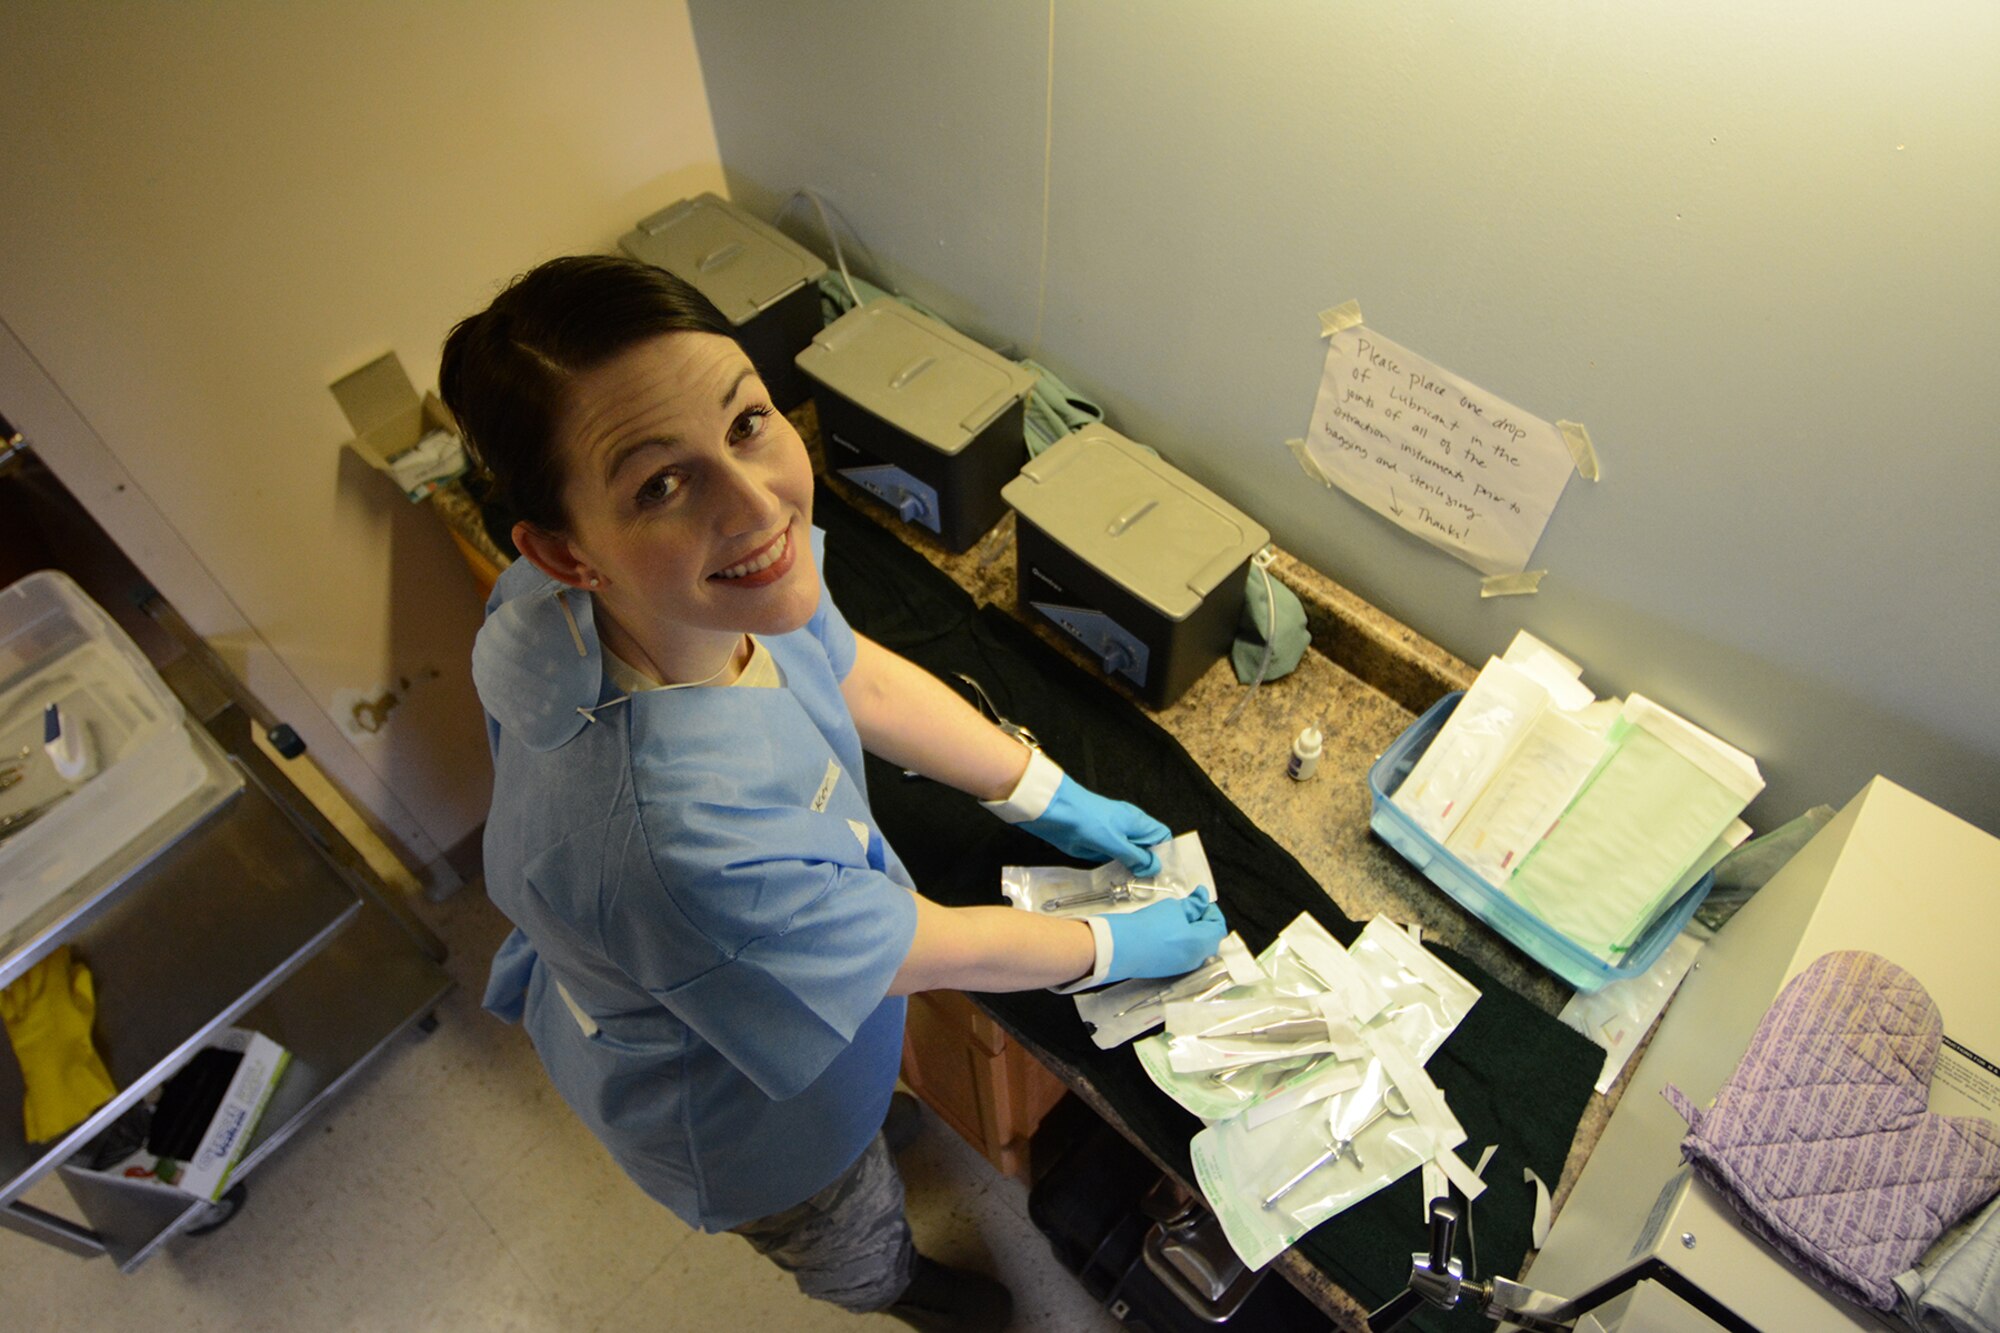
<point>701,872</point>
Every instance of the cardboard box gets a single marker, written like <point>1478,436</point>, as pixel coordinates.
<point>207,1174</point>
<point>390,419</point>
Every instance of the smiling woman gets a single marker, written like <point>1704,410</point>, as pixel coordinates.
<point>688,501</point>
<point>713,940</point>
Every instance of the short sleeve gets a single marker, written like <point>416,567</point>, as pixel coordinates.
<point>828,625</point>
<point>785,1006</point>
<point>775,959</point>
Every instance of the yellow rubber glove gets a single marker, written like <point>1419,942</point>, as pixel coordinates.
<point>48,1011</point>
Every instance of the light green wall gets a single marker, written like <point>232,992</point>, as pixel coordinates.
<point>1749,245</point>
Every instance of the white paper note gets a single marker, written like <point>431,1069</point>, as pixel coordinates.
<point>1468,472</point>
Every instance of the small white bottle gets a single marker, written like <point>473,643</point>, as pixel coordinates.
<point>66,739</point>
<point>1305,754</point>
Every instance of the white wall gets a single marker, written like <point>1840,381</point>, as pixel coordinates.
<point>212,212</point>
<point>1749,245</point>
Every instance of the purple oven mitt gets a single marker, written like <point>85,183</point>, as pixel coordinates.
<point>1821,1139</point>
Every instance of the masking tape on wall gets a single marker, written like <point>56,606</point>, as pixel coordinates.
<point>1343,316</point>
<point>1523,584</point>
<point>1306,463</point>
<point>1580,448</point>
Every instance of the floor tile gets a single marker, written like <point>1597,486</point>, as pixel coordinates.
<point>577,1224</point>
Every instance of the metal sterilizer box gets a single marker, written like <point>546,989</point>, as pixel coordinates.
<point>763,281</point>
<point>919,416</point>
<point>1132,558</point>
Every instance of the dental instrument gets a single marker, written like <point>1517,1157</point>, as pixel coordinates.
<point>1278,1071</point>
<point>1172,993</point>
<point>1284,1029</point>
<point>20,819</point>
<point>1393,1103</point>
<point>1118,893</point>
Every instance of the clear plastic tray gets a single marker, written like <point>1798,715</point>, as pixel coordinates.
<point>1574,964</point>
<point>57,646</point>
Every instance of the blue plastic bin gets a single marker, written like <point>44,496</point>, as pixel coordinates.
<point>1526,931</point>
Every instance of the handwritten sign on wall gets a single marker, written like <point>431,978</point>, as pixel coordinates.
<point>1466,471</point>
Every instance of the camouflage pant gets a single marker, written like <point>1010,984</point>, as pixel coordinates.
<point>849,1244</point>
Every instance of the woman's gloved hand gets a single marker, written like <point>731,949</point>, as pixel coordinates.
<point>1165,939</point>
<point>1095,828</point>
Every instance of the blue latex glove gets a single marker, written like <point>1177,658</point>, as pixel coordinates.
<point>1165,939</point>
<point>1095,828</point>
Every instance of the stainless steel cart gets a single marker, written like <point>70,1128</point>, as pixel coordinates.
<point>256,913</point>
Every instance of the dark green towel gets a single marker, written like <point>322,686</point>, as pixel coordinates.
<point>1512,1073</point>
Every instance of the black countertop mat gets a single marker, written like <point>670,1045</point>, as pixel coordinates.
<point>1512,1073</point>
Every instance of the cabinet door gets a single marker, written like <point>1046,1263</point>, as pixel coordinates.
<point>980,1081</point>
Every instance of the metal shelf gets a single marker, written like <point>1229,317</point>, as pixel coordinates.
<point>334,1015</point>
<point>239,907</point>
<point>195,938</point>
<point>252,918</point>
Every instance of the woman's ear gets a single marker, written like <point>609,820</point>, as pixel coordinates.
<point>553,554</point>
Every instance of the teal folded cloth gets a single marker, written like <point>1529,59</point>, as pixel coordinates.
<point>1054,410</point>
<point>1273,616</point>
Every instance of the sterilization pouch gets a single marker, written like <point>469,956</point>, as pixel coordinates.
<point>1263,1183</point>
<point>1223,1034</point>
<point>1219,1094</point>
<point>1425,999</point>
<point>1119,1013</point>
<point>1325,1078</point>
<point>1526,797</point>
<point>1662,796</point>
<point>1392,983</point>
<point>1112,887</point>
<point>1482,733</point>
<point>1561,676</point>
<point>1305,956</point>
<point>1619,1016</point>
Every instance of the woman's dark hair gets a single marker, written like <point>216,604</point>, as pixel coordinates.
<point>506,372</point>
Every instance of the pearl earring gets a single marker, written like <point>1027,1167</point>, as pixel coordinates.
<point>595,581</point>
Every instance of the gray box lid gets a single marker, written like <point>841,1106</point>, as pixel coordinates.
<point>1154,530</point>
<point>743,265</point>
<point>923,377</point>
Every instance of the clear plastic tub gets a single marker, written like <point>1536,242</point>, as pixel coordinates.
<point>1570,961</point>
<point>59,647</point>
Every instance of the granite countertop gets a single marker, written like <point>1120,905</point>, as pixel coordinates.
<point>1364,680</point>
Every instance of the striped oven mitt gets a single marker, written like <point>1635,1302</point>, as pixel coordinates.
<point>1821,1139</point>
